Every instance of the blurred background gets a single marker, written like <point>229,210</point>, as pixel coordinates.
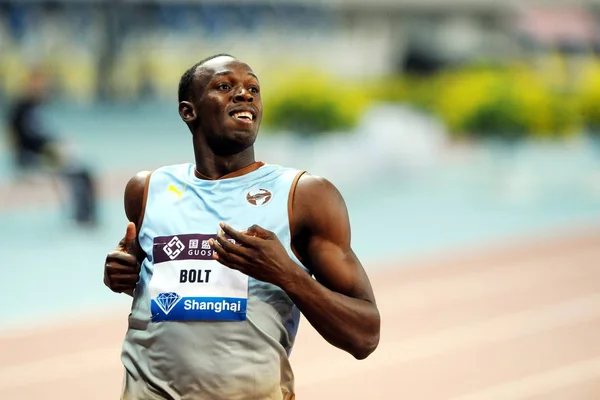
<point>464,136</point>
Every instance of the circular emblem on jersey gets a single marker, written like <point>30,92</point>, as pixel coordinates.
<point>258,197</point>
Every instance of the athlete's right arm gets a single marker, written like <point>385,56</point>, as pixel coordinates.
<point>122,266</point>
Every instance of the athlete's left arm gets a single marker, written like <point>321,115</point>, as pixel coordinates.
<point>339,303</point>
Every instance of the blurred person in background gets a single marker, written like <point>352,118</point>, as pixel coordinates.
<point>37,149</point>
<point>215,309</point>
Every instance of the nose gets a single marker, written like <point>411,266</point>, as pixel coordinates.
<point>243,95</point>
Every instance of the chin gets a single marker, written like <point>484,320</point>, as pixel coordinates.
<point>236,142</point>
<point>243,139</point>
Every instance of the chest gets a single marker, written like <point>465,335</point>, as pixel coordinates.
<point>186,209</point>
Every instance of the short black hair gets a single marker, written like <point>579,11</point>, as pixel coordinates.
<point>185,83</point>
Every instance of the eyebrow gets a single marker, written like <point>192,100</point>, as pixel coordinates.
<point>230,72</point>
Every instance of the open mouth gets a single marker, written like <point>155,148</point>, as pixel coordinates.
<point>245,116</point>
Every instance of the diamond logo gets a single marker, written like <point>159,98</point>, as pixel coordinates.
<point>166,301</point>
<point>174,248</point>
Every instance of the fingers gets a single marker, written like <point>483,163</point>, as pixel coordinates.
<point>226,258</point>
<point>128,280</point>
<point>120,278</point>
<point>128,243</point>
<point>121,288</point>
<point>253,231</point>
<point>228,246</point>
<point>120,282</point>
<point>258,231</point>
<point>113,268</point>
<point>121,270</point>
<point>123,258</point>
<point>239,237</point>
<point>130,232</point>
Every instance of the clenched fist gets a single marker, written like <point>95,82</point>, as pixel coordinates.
<point>122,268</point>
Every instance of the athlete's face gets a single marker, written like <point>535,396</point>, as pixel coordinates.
<point>227,105</point>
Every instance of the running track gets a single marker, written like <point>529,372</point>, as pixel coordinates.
<point>519,321</point>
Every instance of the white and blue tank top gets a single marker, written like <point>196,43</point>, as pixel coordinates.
<point>198,329</point>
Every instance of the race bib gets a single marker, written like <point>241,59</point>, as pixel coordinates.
<point>188,285</point>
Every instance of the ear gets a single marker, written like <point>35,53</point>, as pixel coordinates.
<point>187,111</point>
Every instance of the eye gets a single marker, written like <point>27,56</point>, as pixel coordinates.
<point>223,86</point>
<point>254,89</point>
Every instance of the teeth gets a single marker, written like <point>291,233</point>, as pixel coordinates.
<point>243,114</point>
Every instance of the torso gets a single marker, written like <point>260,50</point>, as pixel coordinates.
<point>198,329</point>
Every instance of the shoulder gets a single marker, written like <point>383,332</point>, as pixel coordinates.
<point>316,202</point>
<point>135,195</point>
<point>313,184</point>
<point>317,192</point>
<point>136,190</point>
<point>137,183</point>
<point>140,180</point>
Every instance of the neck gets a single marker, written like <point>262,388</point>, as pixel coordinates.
<point>212,166</point>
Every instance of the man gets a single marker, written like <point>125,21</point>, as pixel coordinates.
<point>227,248</point>
<point>35,147</point>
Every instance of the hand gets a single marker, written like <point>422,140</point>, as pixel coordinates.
<point>122,269</point>
<point>257,253</point>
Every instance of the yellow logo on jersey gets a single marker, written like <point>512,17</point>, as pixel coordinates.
<point>173,189</point>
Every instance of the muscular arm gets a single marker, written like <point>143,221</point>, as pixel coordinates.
<point>339,303</point>
<point>134,196</point>
<point>134,207</point>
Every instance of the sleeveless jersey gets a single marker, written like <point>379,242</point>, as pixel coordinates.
<point>199,330</point>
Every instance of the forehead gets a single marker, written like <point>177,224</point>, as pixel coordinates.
<point>223,66</point>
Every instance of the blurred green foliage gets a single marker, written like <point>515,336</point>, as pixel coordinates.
<point>545,100</point>
<point>311,103</point>
<point>505,103</point>
<point>589,98</point>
